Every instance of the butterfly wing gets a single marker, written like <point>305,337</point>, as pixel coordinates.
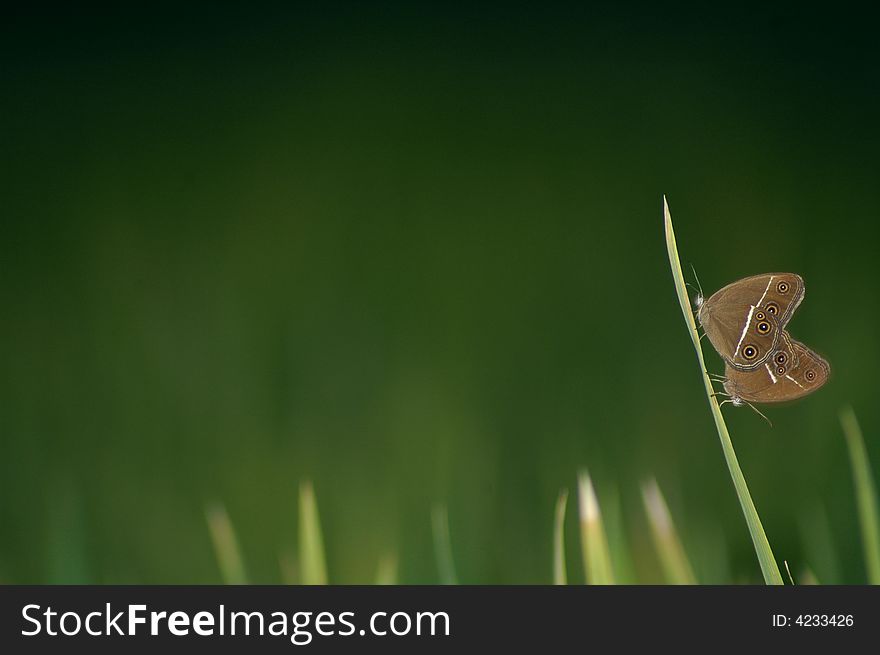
<point>753,311</point>
<point>782,295</point>
<point>744,335</point>
<point>792,372</point>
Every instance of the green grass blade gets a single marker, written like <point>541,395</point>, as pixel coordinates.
<point>386,573</point>
<point>66,554</point>
<point>769,568</point>
<point>866,494</point>
<point>614,523</point>
<point>819,549</point>
<point>288,566</point>
<point>560,576</point>
<point>809,578</point>
<point>443,544</point>
<point>312,565</point>
<point>225,545</point>
<point>594,542</point>
<point>673,559</point>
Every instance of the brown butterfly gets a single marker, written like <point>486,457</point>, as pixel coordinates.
<point>792,371</point>
<point>745,320</point>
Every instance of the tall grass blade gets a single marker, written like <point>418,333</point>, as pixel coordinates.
<point>66,553</point>
<point>769,568</point>
<point>594,542</point>
<point>809,578</point>
<point>614,523</point>
<point>312,565</point>
<point>443,544</point>
<point>818,542</point>
<point>225,545</point>
<point>866,494</point>
<point>673,559</point>
<point>288,566</point>
<point>560,577</point>
<point>386,573</point>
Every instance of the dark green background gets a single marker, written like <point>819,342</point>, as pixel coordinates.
<point>416,255</point>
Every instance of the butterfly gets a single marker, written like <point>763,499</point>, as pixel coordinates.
<point>745,322</point>
<point>792,371</point>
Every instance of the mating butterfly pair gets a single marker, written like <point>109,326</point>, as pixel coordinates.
<point>745,321</point>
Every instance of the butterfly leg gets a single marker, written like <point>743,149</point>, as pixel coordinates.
<point>717,379</point>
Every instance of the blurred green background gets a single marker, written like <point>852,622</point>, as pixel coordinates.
<point>416,255</point>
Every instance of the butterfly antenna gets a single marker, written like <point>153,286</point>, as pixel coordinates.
<point>698,301</point>
<point>758,412</point>
<point>700,286</point>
